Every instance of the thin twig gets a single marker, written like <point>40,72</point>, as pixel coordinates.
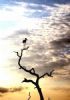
<point>48,74</point>
<point>26,80</point>
<point>29,96</point>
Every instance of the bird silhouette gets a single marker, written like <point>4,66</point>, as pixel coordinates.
<point>24,41</point>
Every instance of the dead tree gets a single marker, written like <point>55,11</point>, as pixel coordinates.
<point>33,73</point>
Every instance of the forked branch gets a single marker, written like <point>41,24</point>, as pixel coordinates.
<point>32,70</point>
<point>48,74</point>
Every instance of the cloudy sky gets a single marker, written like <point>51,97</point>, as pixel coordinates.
<point>46,24</point>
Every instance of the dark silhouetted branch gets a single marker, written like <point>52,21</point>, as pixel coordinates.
<point>48,74</point>
<point>17,54</point>
<point>32,70</point>
<point>28,81</point>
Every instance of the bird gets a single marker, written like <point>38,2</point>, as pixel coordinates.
<point>24,41</point>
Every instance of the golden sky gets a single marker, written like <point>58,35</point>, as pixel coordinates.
<point>47,27</point>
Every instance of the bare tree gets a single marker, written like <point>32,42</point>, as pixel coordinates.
<point>33,73</point>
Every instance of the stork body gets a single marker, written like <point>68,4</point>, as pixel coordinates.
<point>24,41</point>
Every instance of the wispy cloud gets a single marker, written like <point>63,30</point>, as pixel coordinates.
<point>7,90</point>
<point>63,89</point>
<point>3,90</point>
<point>44,41</point>
<point>49,2</point>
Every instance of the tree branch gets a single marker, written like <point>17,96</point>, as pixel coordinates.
<point>28,81</point>
<point>23,50</point>
<point>30,71</point>
<point>17,53</point>
<point>48,74</point>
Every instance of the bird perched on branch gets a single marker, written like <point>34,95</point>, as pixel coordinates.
<point>24,41</point>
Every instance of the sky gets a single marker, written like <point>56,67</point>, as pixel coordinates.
<point>46,24</point>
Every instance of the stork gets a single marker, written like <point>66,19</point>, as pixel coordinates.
<point>24,41</point>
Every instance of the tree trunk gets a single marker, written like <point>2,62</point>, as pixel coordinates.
<point>40,92</point>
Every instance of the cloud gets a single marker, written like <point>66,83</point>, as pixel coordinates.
<point>50,50</point>
<point>16,89</point>
<point>62,42</point>
<point>18,33</point>
<point>26,9</point>
<point>7,90</point>
<point>48,39</point>
<point>3,90</point>
<point>49,2</point>
<point>63,89</point>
